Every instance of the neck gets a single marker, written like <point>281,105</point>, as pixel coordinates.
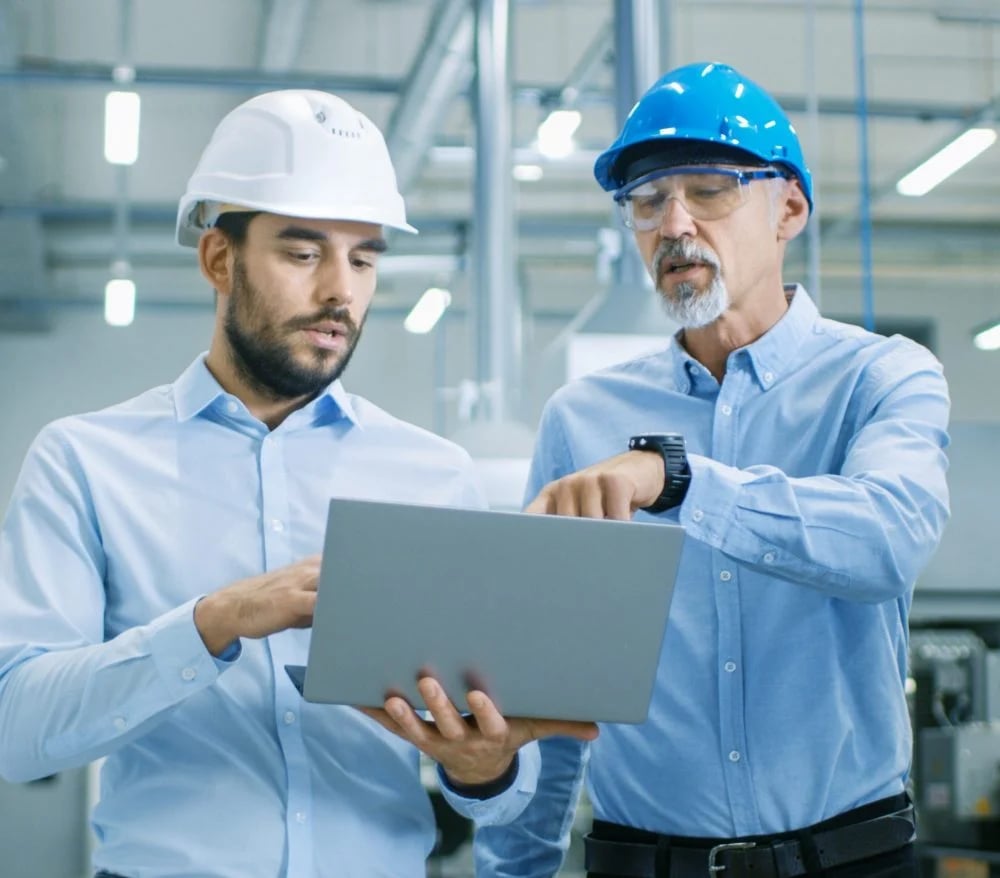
<point>742,324</point>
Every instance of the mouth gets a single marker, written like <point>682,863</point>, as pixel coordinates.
<point>678,269</point>
<point>328,336</point>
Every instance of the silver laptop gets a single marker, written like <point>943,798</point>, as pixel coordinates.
<point>553,617</point>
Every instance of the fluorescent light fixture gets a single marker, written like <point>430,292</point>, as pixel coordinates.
<point>555,134</point>
<point>121,127</point>
<point>962,150</point>
<point>988,337</point>
<point>119,302</point>
<point>527,173</point>
<point>427,312</point>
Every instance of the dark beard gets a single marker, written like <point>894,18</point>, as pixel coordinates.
<point>264,362</point>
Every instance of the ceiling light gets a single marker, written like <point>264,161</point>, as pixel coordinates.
<point>425,314</point>
<point>119,296</point>
<point>527,173</point>
<point>962,150</point>
<point>987,338</point>
<point>555,134</point>
<point>121,127</point>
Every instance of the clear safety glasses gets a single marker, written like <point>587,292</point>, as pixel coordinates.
<point>706,193</point>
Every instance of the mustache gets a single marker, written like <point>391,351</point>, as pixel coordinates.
<point>678,249</point>
<point>336,315</point>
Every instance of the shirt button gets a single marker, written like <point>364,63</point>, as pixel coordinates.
<point>734,755</point>
<point>730,667</point>
<point>120,723</point>
<point>769,558</point>
<point>300,816</point>
<point>768,377</point>
<point>697,515</point>
<point>277,525</point>
<point>189,674</point>
<point>289,717</point>
<point>232,406</point>
<point>727,410</point>
<point>725,576</point>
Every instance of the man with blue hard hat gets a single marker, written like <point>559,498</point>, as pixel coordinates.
<point>805,459</point>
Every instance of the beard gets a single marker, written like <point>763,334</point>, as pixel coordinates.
<point>262,353</point>
<point>687,304</point>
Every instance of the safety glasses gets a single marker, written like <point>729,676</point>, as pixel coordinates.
<point>707,193</point>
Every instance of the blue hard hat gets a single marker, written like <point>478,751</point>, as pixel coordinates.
<point>705,112</point>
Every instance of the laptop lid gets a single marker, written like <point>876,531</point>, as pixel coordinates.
<point>553,617</point>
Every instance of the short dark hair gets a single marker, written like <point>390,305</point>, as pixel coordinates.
<point>234,224</point>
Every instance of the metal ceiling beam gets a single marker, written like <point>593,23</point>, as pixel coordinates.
<point>38,72</point>
<point>441,71</point>
<point>281,37</point>
<point>985,115</point>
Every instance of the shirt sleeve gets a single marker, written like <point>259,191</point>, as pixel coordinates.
<point>862,533</point>
<point>507,804</point>
<point>66,696</point>
<point>534,843</point>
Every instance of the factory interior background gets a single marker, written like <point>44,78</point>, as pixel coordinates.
<point>494,142</point>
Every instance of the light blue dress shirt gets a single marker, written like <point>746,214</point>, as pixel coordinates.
<point>120,520</point>
<point>817,495</point>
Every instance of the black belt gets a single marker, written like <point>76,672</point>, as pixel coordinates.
<point>783,856</point>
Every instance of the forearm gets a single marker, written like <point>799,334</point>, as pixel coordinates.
<point>864,537</point>
<point>66,707</point>
<point>534,844</point>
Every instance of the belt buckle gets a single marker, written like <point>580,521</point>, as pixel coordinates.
<point>713,868</point>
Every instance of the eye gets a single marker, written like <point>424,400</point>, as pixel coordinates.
<point>646,205</point>
<point>361,263</point>
<point>303,256</point>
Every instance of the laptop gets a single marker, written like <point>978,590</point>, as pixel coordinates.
<point>553,617</point>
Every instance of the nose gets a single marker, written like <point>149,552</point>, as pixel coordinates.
<point>334,281</point>
<point>676,222</point>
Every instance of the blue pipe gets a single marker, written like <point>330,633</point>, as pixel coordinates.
<point>865,222</point>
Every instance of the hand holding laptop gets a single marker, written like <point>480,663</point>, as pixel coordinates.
<point>475,749</point>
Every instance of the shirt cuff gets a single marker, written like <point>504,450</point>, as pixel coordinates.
<point>510,799</point>
<point>184,663</point>
<point>482,790</point>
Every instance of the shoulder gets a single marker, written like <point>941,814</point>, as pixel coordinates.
<point>640,373</point>
<point>387,429</point>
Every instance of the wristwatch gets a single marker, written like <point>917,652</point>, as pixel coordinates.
<point>677,473</point>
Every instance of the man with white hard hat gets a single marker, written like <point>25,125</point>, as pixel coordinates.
<point>158,564</point>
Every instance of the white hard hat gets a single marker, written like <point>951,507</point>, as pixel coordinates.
<point>295,153</point>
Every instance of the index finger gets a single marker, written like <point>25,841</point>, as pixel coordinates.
<point>543,504</point>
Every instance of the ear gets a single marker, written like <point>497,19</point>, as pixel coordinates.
<point>793,212</point>
<point>215,259</point>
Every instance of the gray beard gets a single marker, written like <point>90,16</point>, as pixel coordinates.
<point>693,308</point>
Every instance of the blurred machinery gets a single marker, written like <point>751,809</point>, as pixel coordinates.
<point>955,710</point>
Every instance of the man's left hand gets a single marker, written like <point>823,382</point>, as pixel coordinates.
<point>474,749</point>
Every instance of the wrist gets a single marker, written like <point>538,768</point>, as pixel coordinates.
<point>676,472</point>
<point>482,788</point>
<point>212,622</point>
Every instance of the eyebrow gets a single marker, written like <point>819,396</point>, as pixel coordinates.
<point>303,233</point>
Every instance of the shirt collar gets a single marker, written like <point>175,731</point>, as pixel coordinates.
<point>770,355</point>
<point>196,391</point>
<point>777,349</point>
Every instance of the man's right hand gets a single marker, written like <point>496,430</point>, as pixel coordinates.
<point>260,605</point>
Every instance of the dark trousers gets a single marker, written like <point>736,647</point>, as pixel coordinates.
<point>895,864</point>
<point>900,862</point>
